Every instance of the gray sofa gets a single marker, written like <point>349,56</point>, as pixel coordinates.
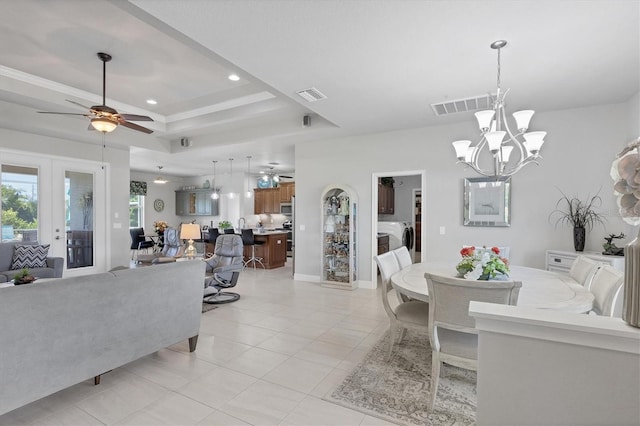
<point>57,333</point>
<point>54,267</point>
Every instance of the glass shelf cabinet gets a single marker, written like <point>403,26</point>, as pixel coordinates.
<point>339,232</point>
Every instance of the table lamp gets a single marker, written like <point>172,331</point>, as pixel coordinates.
<point>190,231</point>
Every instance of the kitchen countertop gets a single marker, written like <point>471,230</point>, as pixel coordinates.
<point>381,234</point>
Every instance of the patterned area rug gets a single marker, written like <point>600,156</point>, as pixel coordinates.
<point>398,390</point>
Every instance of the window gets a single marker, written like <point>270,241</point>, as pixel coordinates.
<point>19,203</point>
<point>136,211</point>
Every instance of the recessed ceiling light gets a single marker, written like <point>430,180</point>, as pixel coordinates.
<point>152,102</point>
<point>233,77</point>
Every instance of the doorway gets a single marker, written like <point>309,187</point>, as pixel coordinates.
<point>407,184</point>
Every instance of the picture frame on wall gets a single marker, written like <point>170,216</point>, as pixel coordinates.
<point>487,201</point>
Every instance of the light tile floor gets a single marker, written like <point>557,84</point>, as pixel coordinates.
<point>266,359</point>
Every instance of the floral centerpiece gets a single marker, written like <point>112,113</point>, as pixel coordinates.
<point>160,226</point>
<point>482,264</point>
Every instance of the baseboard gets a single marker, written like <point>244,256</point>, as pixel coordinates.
<point>366,284</point>
<point>309,278</point>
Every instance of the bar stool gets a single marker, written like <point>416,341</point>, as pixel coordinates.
<point>248,240</point>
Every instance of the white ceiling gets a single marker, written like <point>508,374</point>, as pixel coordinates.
<point>381,63</point>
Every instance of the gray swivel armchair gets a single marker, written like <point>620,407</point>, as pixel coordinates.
<point>172,249</point>
<point>223,269</point>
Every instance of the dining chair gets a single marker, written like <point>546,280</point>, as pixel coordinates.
<point>410,314</point>
<point>452,332</point>
<point>172,249</point>
<point>139,241</point>
<point>606,287</point>
<point>403,256</point>
<point>583,270</point>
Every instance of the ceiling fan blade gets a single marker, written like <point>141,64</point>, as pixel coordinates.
<point>285,176</point>
<point>77,103</point>
<point>62,113</point>
<point>134,126</point>
<point>134,117</point>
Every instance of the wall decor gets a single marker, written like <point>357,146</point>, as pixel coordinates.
<point>487,201</point>
<point>158,205</point>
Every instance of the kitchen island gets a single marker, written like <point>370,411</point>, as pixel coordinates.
<point>273,249</point>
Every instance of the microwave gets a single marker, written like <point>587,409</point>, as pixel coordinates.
<point>286,209</point>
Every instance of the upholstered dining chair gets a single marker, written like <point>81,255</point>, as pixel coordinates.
<point>583,270</point>
<point>172,249</point>
<point>410,314</point>
<point>606,287</point>
<point>403,256</point>
<point>452,332</point>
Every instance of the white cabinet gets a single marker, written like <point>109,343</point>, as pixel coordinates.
<point>339,254</point>
<point>560,261</point>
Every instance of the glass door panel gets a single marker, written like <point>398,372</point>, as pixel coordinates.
<point>79,218</point>
<point>19,203</point>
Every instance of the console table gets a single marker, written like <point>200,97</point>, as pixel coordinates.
<point>561,261</point>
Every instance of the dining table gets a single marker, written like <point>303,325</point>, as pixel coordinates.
<point>540,288</point>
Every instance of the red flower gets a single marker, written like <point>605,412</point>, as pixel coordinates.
<point>467,251</point>
<point>496,250</point>
<point>505,261</point>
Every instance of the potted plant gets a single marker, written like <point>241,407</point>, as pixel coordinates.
<point>581,215</point>
<point>224,224</point>
<point>23,277</point>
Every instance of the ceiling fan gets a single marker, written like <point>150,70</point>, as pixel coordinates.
<point>271,175</point>
<point>103,118</point>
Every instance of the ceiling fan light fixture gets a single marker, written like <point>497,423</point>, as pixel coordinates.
<point>103,124</point>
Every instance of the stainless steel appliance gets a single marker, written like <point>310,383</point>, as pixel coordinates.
<point>287,210</point>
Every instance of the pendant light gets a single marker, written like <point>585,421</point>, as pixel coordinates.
<point>160,180</point>
<point>231,194</point>
<point>248,194</point>
<point>215,194</point>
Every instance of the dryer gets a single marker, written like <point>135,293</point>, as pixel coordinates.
<point>400,234</point>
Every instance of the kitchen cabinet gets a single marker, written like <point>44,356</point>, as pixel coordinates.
<point>196,202</point>
<point>386,199</point>
<point>339,231</point>
<point>383,244</point>
<point>273,249</point>
<point>287,191</point>
<point>266,200</point>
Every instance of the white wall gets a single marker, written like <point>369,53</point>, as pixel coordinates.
<point>580,146</point>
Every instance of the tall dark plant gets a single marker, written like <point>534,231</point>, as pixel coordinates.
<point>577,213</point>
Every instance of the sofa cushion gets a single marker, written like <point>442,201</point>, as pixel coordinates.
<point>30,256</point>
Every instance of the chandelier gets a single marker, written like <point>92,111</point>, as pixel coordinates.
<point>499,139</point>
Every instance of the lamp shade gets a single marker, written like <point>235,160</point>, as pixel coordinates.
<point>523,118</point>
<point>505,153</point>
<point>461,148</point>
<point>484,118</point>
<point>494,139</point>
<point>534,141</point>
<point>190,231</point>
<point>103,125</point>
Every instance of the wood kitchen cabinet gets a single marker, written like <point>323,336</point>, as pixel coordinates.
<point>287,191</point>
<point>386,199</point>
<point>273,249</point>
<point>266,200</point>
<point>383,244</point>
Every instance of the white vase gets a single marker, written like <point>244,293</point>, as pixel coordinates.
<point>631,297</point>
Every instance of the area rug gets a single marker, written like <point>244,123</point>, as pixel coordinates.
<point>398,390</point>
<point>206,307</point>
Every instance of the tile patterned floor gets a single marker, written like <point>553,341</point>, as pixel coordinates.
<point>265,360</point>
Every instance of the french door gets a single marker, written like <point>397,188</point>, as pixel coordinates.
<point>71,206</point>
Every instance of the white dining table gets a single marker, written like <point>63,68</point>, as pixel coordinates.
<point>540,288</point>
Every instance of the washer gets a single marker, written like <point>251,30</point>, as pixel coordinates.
<point>400,234</point>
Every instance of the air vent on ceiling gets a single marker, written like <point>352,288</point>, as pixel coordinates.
<point>311,95</point>
<point>475,103</point>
